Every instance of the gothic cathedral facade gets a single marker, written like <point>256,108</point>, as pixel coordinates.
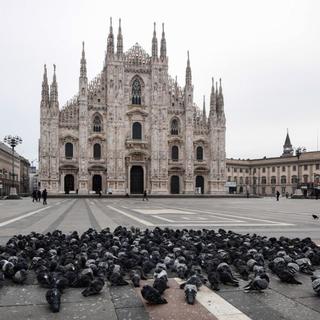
<point>132,128</point>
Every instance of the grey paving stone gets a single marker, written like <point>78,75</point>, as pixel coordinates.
<point>92,311</point>
<point>292,290</point>
<point>35,295</point>
<point>311,302</point>
<point>125,297</point>
<point>132,314</point>
<point>250,305</point>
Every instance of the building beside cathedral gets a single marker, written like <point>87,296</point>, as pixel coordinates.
<point>132,128</point>
<point>267,175</point>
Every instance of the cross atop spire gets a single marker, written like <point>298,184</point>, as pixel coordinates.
<point>163,48</point>
<point>119,40</point>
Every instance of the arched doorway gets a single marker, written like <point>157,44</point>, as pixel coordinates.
<point>96,183</point>
<point>200,183</point>
<point>175,185</point>
<point>68,183</point>
<point>136,180</point>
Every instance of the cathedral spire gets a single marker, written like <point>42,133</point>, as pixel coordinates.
<point>287,147</point>
<point>204,109</point>
<point>54,89</point>
<point>83,63</point>
<point>110,45</point>
<point>220,98</point>
<point>163,48</point>
<point>154,43</point>
<point>119,40</point>
<point>212,99</point>
<point>188,73</point>
<point>45,88</point>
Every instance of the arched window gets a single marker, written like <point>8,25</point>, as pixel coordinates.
<point>136,92</point>
<point>174,127</point>
<point>97,151</point>
<point>283,180</point>
<point>136,131</point>
<point>97,126</point>
<point>263,180</point>
<point>294,179</point>
<point>273,180</point>
<point>199,153</point>
<point>175,153</point>
<point>69,150</point>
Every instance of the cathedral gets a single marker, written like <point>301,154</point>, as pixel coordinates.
<point>132,128</point>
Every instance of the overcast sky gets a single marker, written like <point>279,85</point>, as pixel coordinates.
<point>266,52</point>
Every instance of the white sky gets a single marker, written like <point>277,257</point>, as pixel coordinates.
<point>266,52</point>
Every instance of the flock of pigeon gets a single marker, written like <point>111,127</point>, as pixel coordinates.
<point>199,257</point>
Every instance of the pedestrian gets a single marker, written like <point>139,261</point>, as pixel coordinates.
<point>99,192</point>
<point>278,195</point>
<point>44,196</point>
<point>145,195</point>
<point>38,196</point>
<point>287,195</point>
<point>34,195</point>
<point>247,194</point>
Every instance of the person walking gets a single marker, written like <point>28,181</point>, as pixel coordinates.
<point>38,196</point>
<point>44,196</point>
<point>278,195</point>
<point>34,195</point>
<point>145,195</point>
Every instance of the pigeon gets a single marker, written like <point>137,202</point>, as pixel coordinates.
<point>259,283</point>
<point>195,280</point>
<point>94,288</point>
<point>53,297</point>
<point>286,276</point>
<point>160,284</point>
<point>116,279</point>
<point>315,217</point>
<point>20,276</point>
<point>190,291</point>
<point>152,295</point>
<point>316,285</point>
<point>135,278</point>
<point>214,280</point>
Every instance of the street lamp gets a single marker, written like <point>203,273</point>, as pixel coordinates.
<point>13,141</point>
<point>299,151</point>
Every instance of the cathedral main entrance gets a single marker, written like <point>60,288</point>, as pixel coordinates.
<point>68,183</point>
<point>175,185</point>
<point>200,183</point>
<point>96,183</point>
<point>136,180</point>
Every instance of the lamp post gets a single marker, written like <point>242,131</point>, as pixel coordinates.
<point>12,141</point>
<point>299,152</point>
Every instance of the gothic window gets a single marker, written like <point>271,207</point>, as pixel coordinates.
<point>175,153</point>
<point>136,92</point>
<point>97,125</point>
<point>97,151</point>
<point>199,153</point>
<point>69,150</point>
<point>174,127</point>
<point>136,131</point>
